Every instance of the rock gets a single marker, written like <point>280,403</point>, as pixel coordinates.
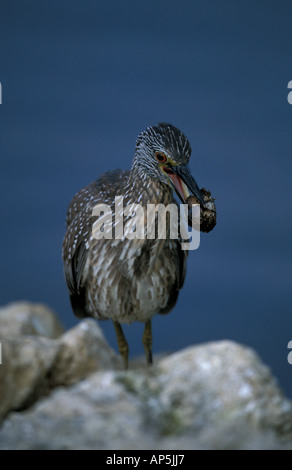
<point>213,396</point>
<point>26,363</point>
<point>33,365</point>
<point>221,382</point>
<point>26,318</point>
<point>67,391</point>
<point>83,350</point>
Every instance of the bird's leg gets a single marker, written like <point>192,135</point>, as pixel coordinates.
<point>122,343</point>
<point>147,341</point>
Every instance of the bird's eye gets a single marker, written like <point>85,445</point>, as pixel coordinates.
<point>160,157</point>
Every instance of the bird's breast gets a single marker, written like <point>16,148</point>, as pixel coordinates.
<point>129,281</point>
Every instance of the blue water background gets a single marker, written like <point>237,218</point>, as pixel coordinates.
<point>80,80</point>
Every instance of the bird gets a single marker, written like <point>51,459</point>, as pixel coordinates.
<point>126,279</point>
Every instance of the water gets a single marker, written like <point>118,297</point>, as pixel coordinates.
<point>80,81</point>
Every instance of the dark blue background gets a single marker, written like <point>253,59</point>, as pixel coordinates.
<point>81,80</point>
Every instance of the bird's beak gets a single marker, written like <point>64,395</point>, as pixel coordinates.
<point>183,183</point>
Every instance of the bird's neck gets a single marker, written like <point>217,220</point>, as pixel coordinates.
<point>144,189</point>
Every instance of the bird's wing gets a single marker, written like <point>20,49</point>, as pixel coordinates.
<point>182,262</point>
<point>74,270</point>
<point>180,255</point>
<point>179,259</point>
<point>79,227</point>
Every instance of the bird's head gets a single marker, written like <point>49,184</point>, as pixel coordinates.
<point>163,152</point>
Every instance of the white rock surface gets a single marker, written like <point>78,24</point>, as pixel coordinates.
<point>70,393</point>
<point>27,318</point>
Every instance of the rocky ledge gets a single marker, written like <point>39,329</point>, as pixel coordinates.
<point>66,390</point>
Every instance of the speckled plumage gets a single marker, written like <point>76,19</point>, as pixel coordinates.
<point>120,279</point>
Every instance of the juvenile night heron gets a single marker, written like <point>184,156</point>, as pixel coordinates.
<point>124,279</point>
